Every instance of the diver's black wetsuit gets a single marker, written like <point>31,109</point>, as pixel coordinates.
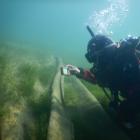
<point>120,72</point>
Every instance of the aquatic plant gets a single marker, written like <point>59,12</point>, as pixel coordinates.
<point>25,78</point>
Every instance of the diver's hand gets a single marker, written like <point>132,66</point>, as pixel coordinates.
<point>73,69</point>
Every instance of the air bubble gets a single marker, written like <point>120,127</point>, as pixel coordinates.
<point>103,20</point>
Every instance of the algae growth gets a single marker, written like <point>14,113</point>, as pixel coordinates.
<point>26,75</point>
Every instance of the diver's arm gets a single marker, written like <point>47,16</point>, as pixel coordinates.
<point>86,75</point>
<point>80,73</point>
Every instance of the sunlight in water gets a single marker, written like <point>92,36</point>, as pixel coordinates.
<point>103,20</point>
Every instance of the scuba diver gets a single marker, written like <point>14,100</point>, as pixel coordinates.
<point>116,66</point>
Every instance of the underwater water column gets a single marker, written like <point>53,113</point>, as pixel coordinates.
<point>114,14</point>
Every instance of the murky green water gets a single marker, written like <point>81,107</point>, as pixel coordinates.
<point>32,34</point>
<point>60,25</point>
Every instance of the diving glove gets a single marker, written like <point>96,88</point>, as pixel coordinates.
<point>70,70</point>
